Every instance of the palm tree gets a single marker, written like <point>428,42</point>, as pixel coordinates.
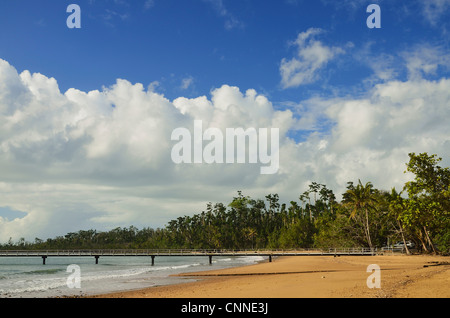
<point>396,207</point>
<point>361,199</point>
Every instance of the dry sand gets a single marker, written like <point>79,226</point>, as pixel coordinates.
<point>402,276</point>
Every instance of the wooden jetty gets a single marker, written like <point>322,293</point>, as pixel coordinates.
<point>44,254</point>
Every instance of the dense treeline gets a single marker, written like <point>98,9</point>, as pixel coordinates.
<point>366,217</point>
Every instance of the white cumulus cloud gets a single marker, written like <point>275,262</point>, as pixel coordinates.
<point>312,56</point>
<point>101,159</point>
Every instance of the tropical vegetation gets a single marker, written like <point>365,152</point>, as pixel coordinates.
<point>366,217</point>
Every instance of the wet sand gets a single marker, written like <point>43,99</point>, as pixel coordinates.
<point>401,276</point>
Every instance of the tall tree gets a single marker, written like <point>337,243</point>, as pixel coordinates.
<point>429,198</point>
<point>361,199</point>
<point>397,205</point>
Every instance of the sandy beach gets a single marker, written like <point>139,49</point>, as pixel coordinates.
<point>401,276</point>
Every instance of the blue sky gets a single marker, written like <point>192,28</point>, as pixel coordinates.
<point>207,43</point>
<point>86,114</point>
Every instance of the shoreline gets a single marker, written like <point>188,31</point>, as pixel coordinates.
<point>401,276</point>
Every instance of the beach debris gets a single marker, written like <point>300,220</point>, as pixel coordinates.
<point>436,264</point>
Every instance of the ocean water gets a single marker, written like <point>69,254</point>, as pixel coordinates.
<point>27,277</point>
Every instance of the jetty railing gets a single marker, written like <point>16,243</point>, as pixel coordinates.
<point>191,252</point>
